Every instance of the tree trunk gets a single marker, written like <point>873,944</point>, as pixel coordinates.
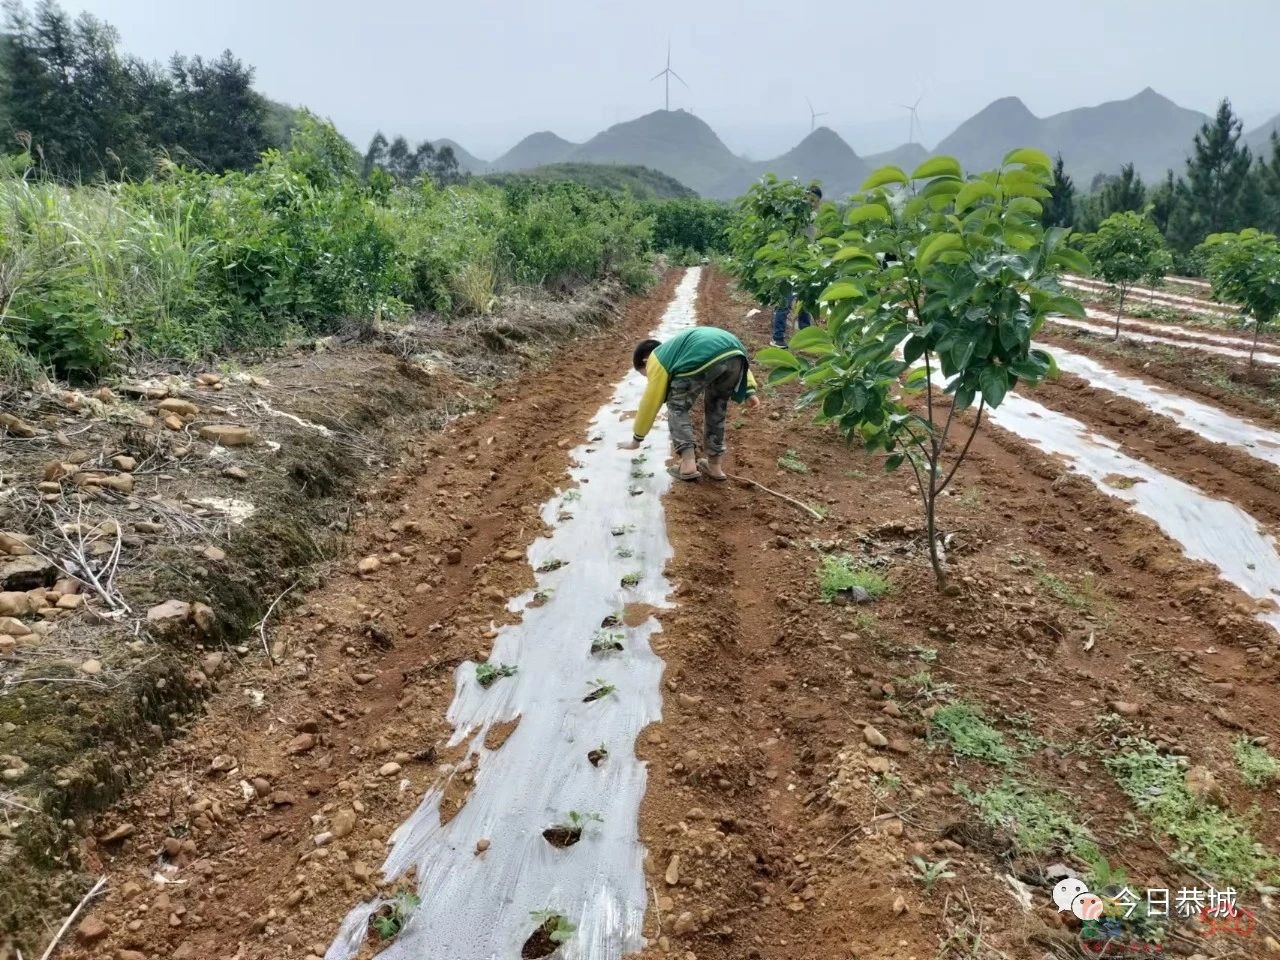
<point>931,530</point>
<point>1119,311</point>
<point>1257,329</point>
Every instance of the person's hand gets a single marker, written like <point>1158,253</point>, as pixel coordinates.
<point>632,444</point>
<point>753,401</point>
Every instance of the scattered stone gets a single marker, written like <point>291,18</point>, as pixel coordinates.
<point>26,573</point>
<point>261,786</point>
<point>91,667</point>
<point>453,557</point>
<point>173,422</point>
<point>203,617</point>
<point>511,556</point>
<point>369,565</point>
<point>222,763</point>
<point>9,423</point>
<point>281,798</point>
<point>673,871</point>
<point>1125,708</point>
<point>236,473</point>
<point>15,545</point>
<point>121,832</point>
<point>216,554</point>
<point>11,627</point>
<point>874,737</point>
<point>169,612</point>
<point>363,678</point>
<point>389,769</point>
<point>70,601</point>
<point>176,405</point>
<point>91,930</point>
<point>130,955</point>
<point>15,603</point>
<point>302,743</point>
<point>878,764</point>
<point>900,905</point>
<point>125,464</point>
<point>209,379</point>
<point>344,821</point>
<point>228,434</point>
<point>482,846</point>
<point>1203,785</point>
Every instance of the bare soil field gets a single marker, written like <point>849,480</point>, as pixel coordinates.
<point>905,774</point>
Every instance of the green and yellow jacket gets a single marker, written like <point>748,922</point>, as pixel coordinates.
<point>685,355</point>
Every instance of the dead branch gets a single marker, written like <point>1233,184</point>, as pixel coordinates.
<point>66,924</point>
<point>262,624</point>
<point>781,496</point>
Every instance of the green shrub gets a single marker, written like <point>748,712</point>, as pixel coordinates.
<point>188,264</point>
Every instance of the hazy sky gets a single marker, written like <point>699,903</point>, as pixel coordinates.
<point>486,72</point>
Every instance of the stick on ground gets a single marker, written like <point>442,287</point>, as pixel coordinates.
<point>781,496</point>
<point>66,924</point>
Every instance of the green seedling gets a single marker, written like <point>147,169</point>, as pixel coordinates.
<point>554,930</point>
<point>599,690</point>
<point>631,579</point>
<point>837,573</point>
<point>619,531</point>
<point>598,755</point>
<point>640,458</point>
<point>625,553</point>
<point>604,642</point>
<point>569,831</point>
<point>540,597</point>
<point>931,873</point>
<point>573,496</point>
<point>486,673</point>
<point>550,565</point>
<point>1257,767</point>
<point>391,917</point>
<point>789,461</point>
<point>636,491</point>
<point>612,620</point>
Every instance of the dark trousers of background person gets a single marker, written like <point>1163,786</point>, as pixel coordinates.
<point>780,319</point>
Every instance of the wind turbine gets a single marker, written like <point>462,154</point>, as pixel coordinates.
<point>668,73</point>
<point>813,116</point>
<point>913,110</point>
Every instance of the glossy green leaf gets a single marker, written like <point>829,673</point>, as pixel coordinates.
<point>1073,260</point>
<point>774,357</point>
<point>938,167</point>
<point>1029,157</point>
<point>995,384</point>
<point>934,247</point>
<point>839,291</point>
<point>883,177</point>
<point>972,192</point>
<point>1067,306</point>
<point>811,340</point>
<point>867,212</point>
<point>893,462</point>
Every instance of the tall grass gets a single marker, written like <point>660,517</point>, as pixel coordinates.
<point>187,264</point>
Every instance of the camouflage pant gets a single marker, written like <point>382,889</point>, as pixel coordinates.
<point>719,382</point>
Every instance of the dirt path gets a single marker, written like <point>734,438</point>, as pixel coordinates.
<point>807,750</point>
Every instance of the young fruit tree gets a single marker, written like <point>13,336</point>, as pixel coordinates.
<point>775,215</point>
<point>1125,249</point>
<point>934,285</point>
<point>1158,267</point>
<point>1244,269</point>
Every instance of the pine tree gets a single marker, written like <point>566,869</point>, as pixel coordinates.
<point>1213,192</point>
<point>1059,207</point>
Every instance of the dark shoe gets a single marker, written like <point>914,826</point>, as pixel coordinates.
<point>706,471</point>
<point>687,477</point>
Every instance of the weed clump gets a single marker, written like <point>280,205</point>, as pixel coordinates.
<point>838,573</point>
<point>1209,839</point>
<point>971,735</point>
<point>1035,822</point>
<point>1257,766</point>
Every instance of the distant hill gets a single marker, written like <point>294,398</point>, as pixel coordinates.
<point>673,141</point>
<point>535,150</point>
<point>642,182</point>
<point>822,155</point>
<point>1258,140</point>
<point>908,157</point>
<point>1148,130</point>
<point>467,162</point>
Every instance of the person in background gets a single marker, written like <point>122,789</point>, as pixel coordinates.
<point>781,314</point>
<point>695,361</point>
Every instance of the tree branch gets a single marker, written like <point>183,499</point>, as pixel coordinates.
<point>972,433</point>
